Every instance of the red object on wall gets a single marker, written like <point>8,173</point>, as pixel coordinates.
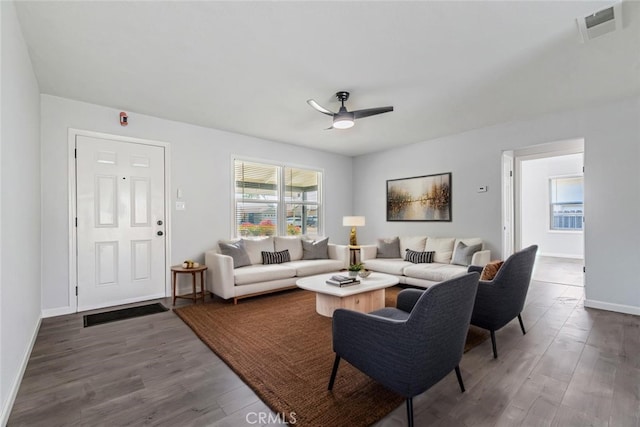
<point>124,119</point>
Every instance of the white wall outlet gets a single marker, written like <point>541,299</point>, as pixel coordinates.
<point>180,206</point>
<point>482,189</point>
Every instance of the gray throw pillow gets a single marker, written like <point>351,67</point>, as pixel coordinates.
<point>389,248</point>
<point>464,253</point>
<point>315,249</point>
<point>236,251</point>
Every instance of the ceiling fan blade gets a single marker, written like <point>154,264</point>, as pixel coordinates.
<point>319,107</point>
<point>359,114</point>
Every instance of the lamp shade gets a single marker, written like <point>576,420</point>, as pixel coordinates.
<point>353,221</point>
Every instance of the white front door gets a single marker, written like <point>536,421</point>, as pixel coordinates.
<point>120,198</point>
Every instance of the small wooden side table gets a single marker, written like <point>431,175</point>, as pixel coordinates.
<point>353,253</point>
<point>180,269</point>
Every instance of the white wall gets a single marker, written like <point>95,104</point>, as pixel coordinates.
<point>19,208</point>
<point>201,166</point>
<point>612,180</point>
<point>534,185</point>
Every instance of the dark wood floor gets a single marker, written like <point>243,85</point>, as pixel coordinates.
<point>574,367</point>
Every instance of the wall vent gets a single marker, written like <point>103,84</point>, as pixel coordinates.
<point>601,22</point>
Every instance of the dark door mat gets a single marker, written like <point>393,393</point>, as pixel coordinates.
<point>124,313</point>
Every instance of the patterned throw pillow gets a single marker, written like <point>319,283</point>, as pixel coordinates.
<point>490,270</point>
<point>419,257</point>
<point>275,257</point>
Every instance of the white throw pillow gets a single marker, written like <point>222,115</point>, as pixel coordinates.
<point>255,247</point>
<point>443,248</point>
<point>291,243</point>
<point>414,243</point>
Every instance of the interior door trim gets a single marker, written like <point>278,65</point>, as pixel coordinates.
<point>73,267</point>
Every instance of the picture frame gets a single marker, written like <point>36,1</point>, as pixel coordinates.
<point>420,198</point>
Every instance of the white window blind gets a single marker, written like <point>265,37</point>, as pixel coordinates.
<point>276,199</point>
<point>567,203</point>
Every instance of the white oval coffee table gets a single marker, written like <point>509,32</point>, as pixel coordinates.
<point>364,297</point>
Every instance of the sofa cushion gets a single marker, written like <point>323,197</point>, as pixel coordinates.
<point>387,265</point>
<point>388,248</point>
<point>418,257</point>
<point>255,247</point>
<point>315,249</point>
<point>443,248</point>
<point>262,273</point>
<point>291,243</point>
<point>412,242</point>
<point>317,266</point>
<point>275,257</point>
<point>434,272</point>
<point>462,254</point>
<point>237,251</point>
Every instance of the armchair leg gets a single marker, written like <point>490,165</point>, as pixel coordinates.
<point>493,344</point>
<point>521,325</point>
<point>459,378</point>
<point>410,411</point>
<point>336,362</point>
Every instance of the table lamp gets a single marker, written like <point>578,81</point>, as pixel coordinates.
<point>353,222</point>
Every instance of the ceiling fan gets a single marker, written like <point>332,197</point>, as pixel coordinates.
<point>344,119</point>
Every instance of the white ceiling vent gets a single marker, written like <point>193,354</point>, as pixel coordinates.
<point>602,22</point>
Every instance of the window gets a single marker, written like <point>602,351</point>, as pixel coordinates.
<point>276,200</point>
<point>567,203</point>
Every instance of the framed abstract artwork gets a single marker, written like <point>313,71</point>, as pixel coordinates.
<point>420,198</point>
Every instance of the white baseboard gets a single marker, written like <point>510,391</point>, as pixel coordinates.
<point>58,311</point>
<point>574,256</point>
<point>618,308</point>
<point>15,386</point>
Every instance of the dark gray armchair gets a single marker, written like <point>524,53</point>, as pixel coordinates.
<point>501,300</point>
<point>410,348</point>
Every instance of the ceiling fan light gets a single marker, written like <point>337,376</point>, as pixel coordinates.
<point>343,123</point>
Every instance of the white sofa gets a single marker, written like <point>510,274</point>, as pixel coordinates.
<point>227,282</point>
<point>427,274</point>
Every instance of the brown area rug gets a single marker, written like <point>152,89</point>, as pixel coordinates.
<point>282,349</point>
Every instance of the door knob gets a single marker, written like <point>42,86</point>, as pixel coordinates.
<point>159,233</point>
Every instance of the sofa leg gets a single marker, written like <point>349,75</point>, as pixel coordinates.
<point>459,378</point>
<point>235,301</point>
<point>336,362</point>
<point>493,344</point>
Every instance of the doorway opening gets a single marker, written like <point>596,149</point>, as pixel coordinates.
<point>548,208</point>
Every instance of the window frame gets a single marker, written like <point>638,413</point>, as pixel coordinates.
<point>281,202</point>
<point>552,204</point>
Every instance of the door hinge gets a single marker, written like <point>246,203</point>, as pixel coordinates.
<point>76,291</point>
<point>75,153</point>
<point>76,222</point>
<point>510,173</point>
<point>584,269</point>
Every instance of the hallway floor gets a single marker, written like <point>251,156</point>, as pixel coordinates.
<point>565,271</point>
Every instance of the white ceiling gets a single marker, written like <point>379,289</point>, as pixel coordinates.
<point>249,67</point>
